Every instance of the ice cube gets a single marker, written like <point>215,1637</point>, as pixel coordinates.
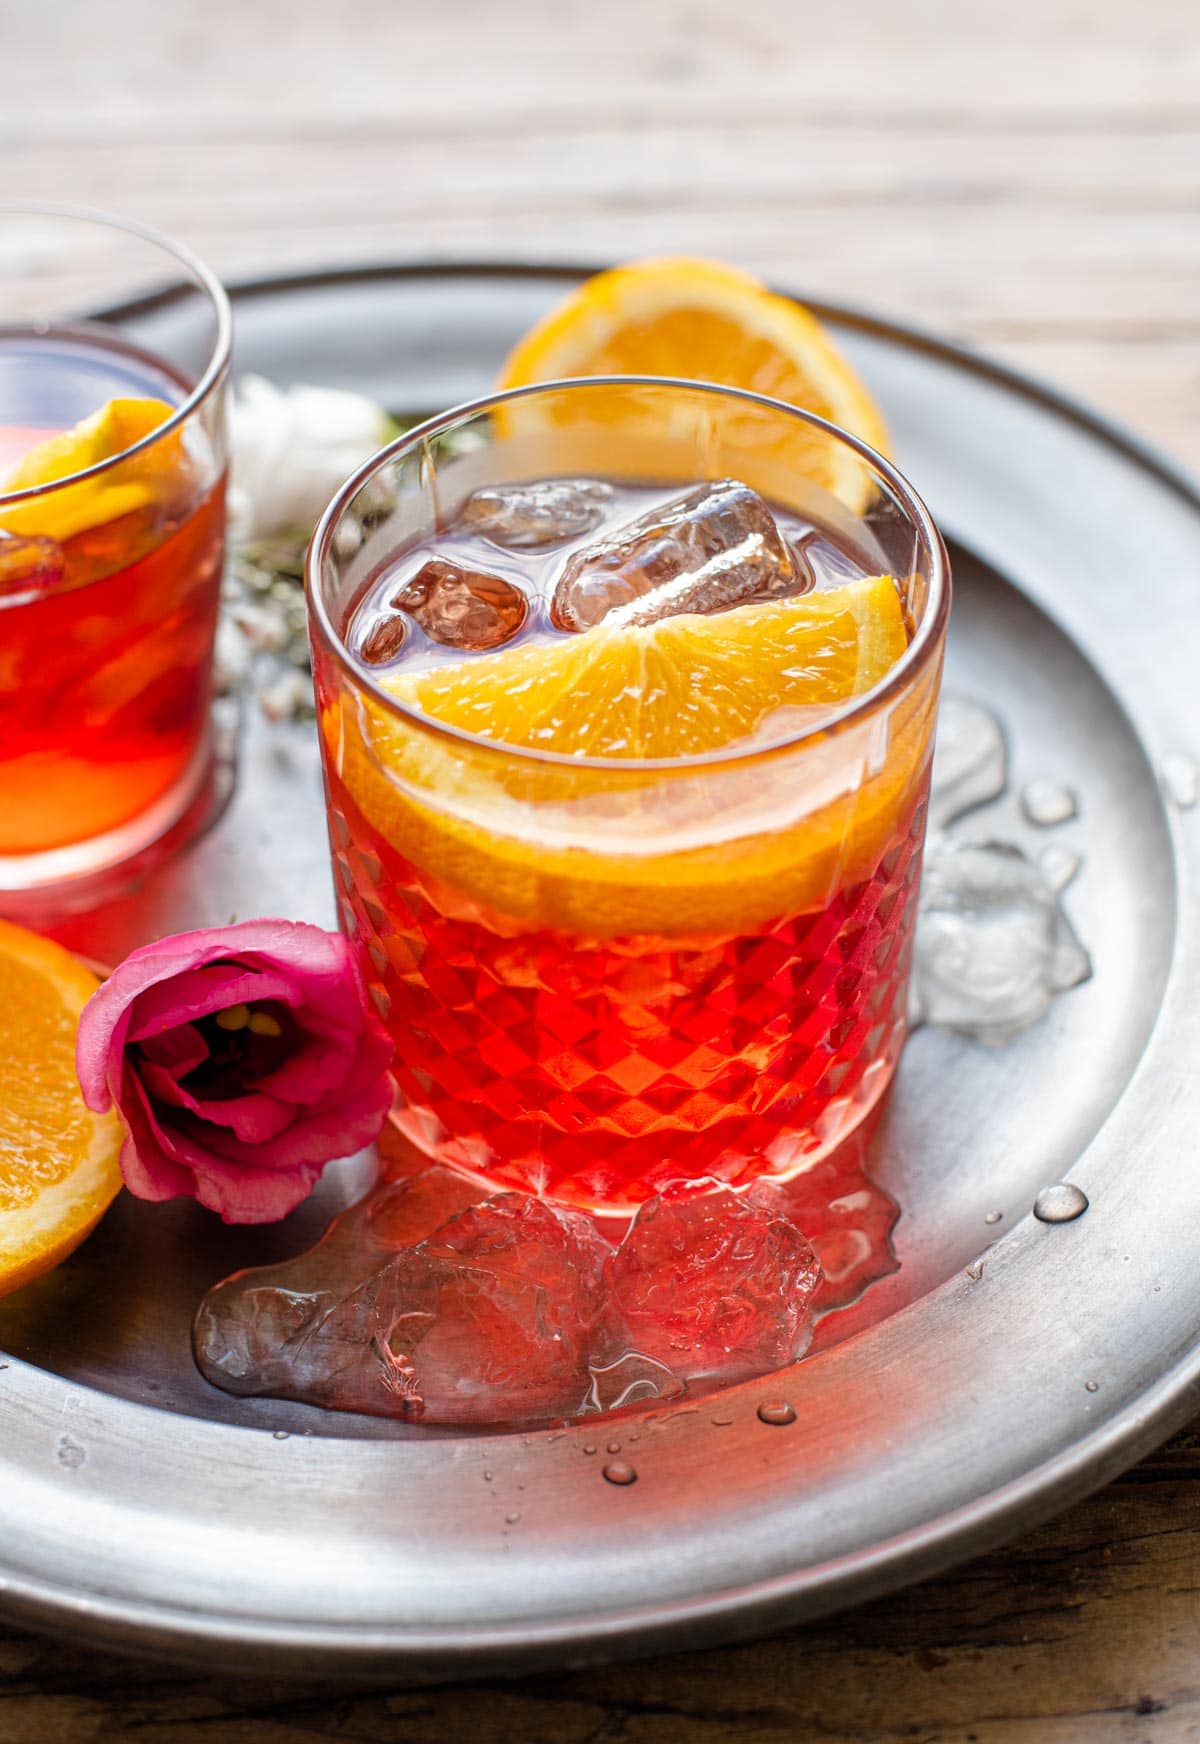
<point>28,566</point>
<point>382,638</point>
<point>846,1216</point>
<point>711,1286</point>
<point>993,944</point>
<point>302,1329</point>
<point>543,512</point>
<point>420,1302</point>
<point>1045,802</point>
<point>969,759</point>
<point>715,547</point>
<point>460,607</point>
<point>493,1315</point>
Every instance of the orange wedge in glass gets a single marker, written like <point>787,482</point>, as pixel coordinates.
<point>92,502</point>
<point>677,688</point>
<point>624,848</point>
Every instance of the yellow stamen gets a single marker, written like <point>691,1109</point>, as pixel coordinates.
<point>262,1023</point>
<point>234,1017</point>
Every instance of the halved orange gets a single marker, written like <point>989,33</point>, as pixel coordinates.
<point>58,1161</point>
<point>91,502</point>
<point>701,320</point>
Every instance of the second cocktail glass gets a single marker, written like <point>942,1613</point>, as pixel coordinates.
<point>607,973</point>
<point>112,519</point>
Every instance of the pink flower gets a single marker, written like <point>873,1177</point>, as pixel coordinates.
<point>242,1059</point>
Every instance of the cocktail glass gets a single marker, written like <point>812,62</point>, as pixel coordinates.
<point>603,976</point>
<point>110,573</point>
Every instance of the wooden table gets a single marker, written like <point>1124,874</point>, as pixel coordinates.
<point>1022,174</point>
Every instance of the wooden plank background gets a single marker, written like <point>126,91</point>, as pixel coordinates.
<point>1024,176</point>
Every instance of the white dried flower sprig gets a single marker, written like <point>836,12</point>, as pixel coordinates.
<point>291,449</point>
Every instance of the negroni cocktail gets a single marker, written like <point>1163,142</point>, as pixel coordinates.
<point>627,729</point>
<point>111,531</point>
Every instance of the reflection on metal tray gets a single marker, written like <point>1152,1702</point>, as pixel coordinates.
<point>138,1505</point>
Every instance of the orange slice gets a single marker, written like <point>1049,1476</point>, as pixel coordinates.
<point>685,850</point>
<point>676,688</point>
<point>92,502</point>
<point>58,1161</point>
<point>700,320</point>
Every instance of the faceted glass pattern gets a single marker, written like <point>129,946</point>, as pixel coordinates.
<point>598,1071</point>
<point>600,982</point>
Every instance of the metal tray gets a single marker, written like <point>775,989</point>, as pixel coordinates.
<point>141,1508</point>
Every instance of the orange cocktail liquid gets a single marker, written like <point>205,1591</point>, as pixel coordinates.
<point>591,1026</point>
<point>595,1071</point>
<point>105,675</point>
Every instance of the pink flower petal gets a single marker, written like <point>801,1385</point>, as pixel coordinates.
<point>197,993</point>
<point>323,961</point>
<point>254,1119</point>
<point>242,1195</point>
<point>317,1065</point>
<point>178,1051</point>
<point>313,1137</point>
<point>148,1169</point>
<point>239,1193</point>
<point>254,1154</point>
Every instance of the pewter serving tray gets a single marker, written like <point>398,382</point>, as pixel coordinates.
<point>956,1405</point>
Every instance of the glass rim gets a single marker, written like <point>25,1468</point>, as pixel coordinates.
<point>215,369</point>
<point>916,656</point>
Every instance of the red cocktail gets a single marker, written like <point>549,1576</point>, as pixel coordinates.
<point>627,729</point>
<point>112,465</point>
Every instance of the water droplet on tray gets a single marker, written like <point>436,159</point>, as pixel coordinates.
<point>1061,1203</point>
<point>280,1435</point>
<point>618,1472</point>
<point>613,1447</point>
<point>1046,803</point>
<point>1091,1386</point>
<point>993,1217</point>
<point>975,1271</point>
<point>589,1447</point>
<point>511,1519</point>
<point>777,1413</point>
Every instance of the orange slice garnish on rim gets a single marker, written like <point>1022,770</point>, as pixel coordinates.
<point>677,688</point>
<point>700,320</point>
